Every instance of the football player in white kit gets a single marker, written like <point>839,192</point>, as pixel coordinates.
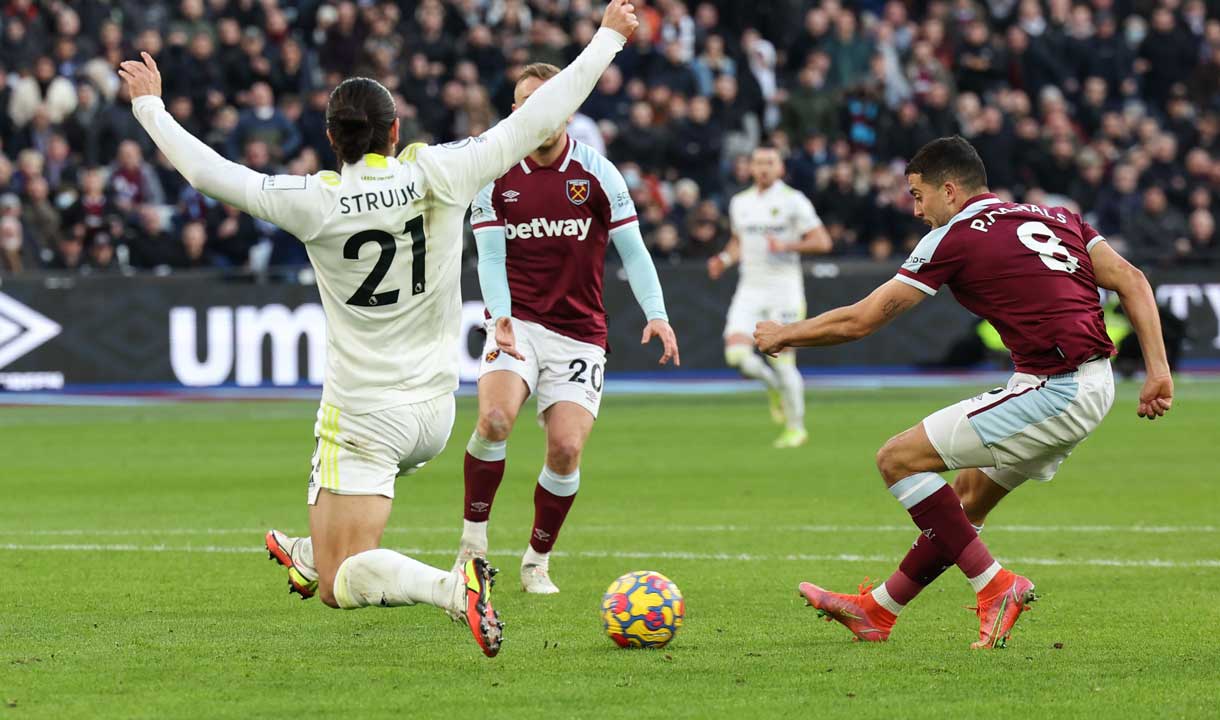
<point>384,235</point>
<point>772,225</point>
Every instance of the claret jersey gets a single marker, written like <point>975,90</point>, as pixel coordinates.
<point>557,222</point>
<point>1026,269</point>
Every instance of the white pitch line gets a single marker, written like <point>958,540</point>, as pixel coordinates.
<point>696,529</point>
<point>627,555</point>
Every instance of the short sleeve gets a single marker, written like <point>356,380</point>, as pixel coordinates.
<point>290,201</point>
<point>618,196</point>
<point>805,218</point>
<point>932,263</point>
<point>483,212</point>
<point>1088,234</point>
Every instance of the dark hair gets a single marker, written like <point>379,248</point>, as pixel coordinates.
<point>949,158</point>
<point>359,115</point>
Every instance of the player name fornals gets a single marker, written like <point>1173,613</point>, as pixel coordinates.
<point>27,381</point>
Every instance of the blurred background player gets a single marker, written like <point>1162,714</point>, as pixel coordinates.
<point>392,310</point>
<point>772,225</point>
<point>1034,272</point>
<point>542,230</point>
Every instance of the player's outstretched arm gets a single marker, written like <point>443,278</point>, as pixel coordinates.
<point>1113,272</point>
<point>841,325</point>
<point>204,168</point>
<point>209,172</point>
<point>456,171</point>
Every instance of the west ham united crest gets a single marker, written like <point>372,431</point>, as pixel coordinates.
<point>578,191</point>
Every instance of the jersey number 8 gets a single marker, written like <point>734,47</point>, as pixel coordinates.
<point>1050,251</point>
<point>366,295</point>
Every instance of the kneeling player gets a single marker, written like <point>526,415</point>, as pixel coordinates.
<point>542,231</point>
<point>1034,273</point>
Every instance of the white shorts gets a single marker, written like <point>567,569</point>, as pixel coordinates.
<point>1025,430</point>
<point>556,367</point>
<point>751,306</point>
<point>363,454</point>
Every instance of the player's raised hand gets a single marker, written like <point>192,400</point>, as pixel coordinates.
<point>142,76</point>
<point>620,17</point>
<point>1156,397</point>
<point>715,267</point>
<point>669,341</point>
<point>767,337</point>
<point>506,339</point>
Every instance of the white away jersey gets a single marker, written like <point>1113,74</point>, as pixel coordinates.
<point>386,245</point>
<point>385,234</point>
<point>779,212</point>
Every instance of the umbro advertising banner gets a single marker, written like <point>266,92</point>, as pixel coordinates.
<point>200,331</point>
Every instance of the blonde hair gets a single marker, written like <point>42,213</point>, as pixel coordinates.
<point>540,70</point>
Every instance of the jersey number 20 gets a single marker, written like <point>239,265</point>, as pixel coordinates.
<point>366,295</point>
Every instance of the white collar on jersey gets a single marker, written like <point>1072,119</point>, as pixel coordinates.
<point>563,167</point>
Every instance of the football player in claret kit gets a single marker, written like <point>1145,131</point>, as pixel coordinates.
<point>542,230</point>
<point>772,224</point>
<point>384,235</point>
<point>1034,272</point>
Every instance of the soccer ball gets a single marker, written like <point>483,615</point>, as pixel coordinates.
<point>643,609</point>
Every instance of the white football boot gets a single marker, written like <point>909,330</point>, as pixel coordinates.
<point>536,580</point>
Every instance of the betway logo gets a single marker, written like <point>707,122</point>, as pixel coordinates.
<point>22,329</point>
<point>539,228</point>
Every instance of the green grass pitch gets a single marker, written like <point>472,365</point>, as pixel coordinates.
<point>131,582</point>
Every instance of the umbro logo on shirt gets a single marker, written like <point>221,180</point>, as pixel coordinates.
<point>510,195</point>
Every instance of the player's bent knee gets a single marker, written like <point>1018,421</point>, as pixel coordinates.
<point>326,593</point>
<point>495,424</point>
<point>735,355</point>
<point>890,463</point>
<point>563,456</point>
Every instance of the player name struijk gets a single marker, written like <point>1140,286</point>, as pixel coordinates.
<point>381,200</point>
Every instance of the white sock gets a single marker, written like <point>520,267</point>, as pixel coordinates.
<point>882,596</point>
<point>388,579</point>
<point>302,558</point>
<point>486,450</point>
<point>474,535</point>
<point>751,365</point>
<point>978,582</point>
<point>533,557</point>
<point>792,390</point>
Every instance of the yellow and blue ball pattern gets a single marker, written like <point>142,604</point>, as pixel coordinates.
<point>643,609</point>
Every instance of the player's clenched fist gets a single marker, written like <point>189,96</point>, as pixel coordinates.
<point>767,336</point>
<point>143,78</point>
<point>620,17</point>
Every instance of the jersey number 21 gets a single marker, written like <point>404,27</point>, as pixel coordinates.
<point>366,295</point>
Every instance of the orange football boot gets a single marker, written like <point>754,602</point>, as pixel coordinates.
<point>475,606</point>
<point>860,613</point>
<point>280,551</point>
<point>1000,605</point>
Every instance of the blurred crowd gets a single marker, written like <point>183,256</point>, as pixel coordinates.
<point>1111,107</point>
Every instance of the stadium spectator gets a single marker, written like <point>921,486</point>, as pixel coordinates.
<point>1093,100</point>
<point>132,180</point>
<point>1157,232</point>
